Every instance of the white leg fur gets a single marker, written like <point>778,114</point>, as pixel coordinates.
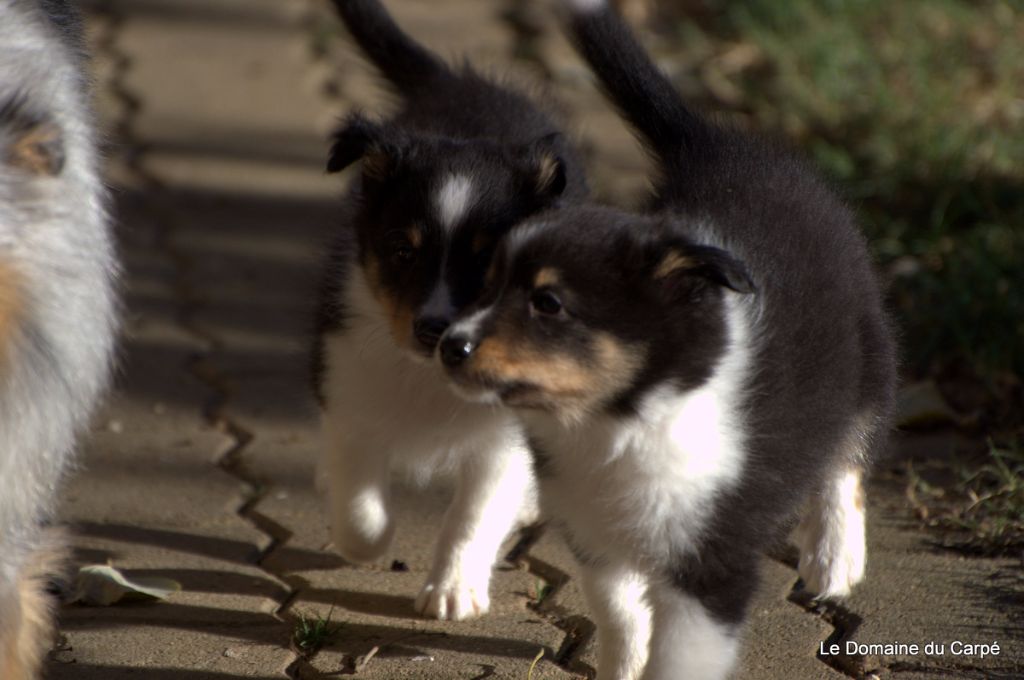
<point>617,600</point>
<point>358,491</point>
<point>493,486</point>
<point>686,641</point>
<point>833,550</point>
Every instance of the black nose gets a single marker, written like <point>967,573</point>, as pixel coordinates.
<point>429,330</point>
<point>455,349</point>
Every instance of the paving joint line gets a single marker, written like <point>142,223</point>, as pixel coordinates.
<point>843,621</point>
<point>189,302</point>
<point>577,629</point>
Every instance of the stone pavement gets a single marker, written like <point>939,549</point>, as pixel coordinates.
<point>200,467</point>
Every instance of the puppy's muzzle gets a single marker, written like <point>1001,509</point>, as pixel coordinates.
<point>428,330</point>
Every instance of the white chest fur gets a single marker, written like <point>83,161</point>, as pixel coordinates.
<point>396,404</point>
<point>645,484</point>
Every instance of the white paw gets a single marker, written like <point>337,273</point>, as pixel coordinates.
<point>833,549</point>
<point>361,537</point>
<point>833,575</point>
<point>453,600</point>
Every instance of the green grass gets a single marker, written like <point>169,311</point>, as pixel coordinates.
<point>541,590</point>
<point>916,109</point>
<point>983,512</point>
<point>313,633</point>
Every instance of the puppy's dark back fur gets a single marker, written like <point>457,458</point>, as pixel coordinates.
<point>825,354</point>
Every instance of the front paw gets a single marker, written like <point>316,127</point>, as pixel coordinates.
<point>362,532</point>
<point>453,600</point>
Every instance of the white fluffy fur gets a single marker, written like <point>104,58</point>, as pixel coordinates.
<point>686,641</point>
<point>617,597</point>
<point>833,550</point>
<point>453,199</point>
<point>386,410</point>
<point>630,488</point>
<point>55,238</point>
<point>624,478</point>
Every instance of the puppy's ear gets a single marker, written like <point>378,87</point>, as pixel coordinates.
<point>709,263</point>
<point>360,138</point>
<point>547,167</point>
<point>31,143</point>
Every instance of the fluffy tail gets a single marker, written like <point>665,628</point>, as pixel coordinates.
<point>407,64</point>
<point>676,136</point>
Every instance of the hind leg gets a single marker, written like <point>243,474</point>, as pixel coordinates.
<point>492,489</point>
<point>831,536</point>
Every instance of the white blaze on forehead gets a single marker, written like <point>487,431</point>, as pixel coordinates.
<point>471,324</point>
<point>520,236</point>
<point>453,200</point>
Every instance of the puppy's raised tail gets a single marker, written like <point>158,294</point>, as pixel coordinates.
<point>409,66</point>
<point>677,138</point>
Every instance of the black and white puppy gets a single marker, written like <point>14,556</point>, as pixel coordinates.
<point>687,378</point>
<point>442,181</point>
<point>57,303</point>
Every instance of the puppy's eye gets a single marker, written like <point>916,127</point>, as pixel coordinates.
<point>404,253</point>
<point>399,248</point>
<point>545,302</point>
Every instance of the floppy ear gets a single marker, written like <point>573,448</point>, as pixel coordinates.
<point>360,138</point>
<point>30,143</point>
<point>547,166</point>
<point>713,264</point>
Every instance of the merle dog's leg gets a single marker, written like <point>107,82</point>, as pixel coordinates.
<point>492,488</point>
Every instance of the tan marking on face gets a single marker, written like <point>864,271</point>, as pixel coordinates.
<point>547,276</point>
<point>559,381</point>
<point>38,150</point>
<point>480,241</point>
<point>674,261</point>
<point>415,236</point>
<point>10,307</point>
<point>491,275</point>
<point>399,315</point>
<point>547,170</point>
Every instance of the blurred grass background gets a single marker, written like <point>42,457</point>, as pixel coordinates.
<point>916,109</point>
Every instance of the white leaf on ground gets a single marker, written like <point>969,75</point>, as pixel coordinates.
<point>101,584</point>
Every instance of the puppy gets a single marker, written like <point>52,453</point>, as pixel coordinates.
<point>462,161</point>
<point>687,378</point>
<point>57,305</point>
